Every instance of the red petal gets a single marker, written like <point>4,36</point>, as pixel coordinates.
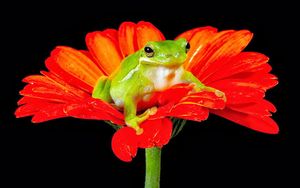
<point>190,111</point>
<point>174,94</point>
<point>147,32</point>
<point>238,92</point>
<point>50,112</point>
<point>104,106</point>
<point>163,111</point>
<point>25,100</point>
<point>260,108</point>
<point>143,105</point>
<point>64,85</point>
<point>89,113</point>
<point>54,94</point>
<point>249,108</point>
<point>268,105</point>
<point>205,99</point>
<point>59,88</point>
<point>31,109</point>
<point>242,62</point>
<point>125,144</point>
<point>165,132</point>
<point>127,38</point>
<point>104,46</point>
<point>259,123</point>
<point>151,129</point>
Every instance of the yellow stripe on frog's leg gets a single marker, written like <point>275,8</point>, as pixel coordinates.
<point>102,89</point>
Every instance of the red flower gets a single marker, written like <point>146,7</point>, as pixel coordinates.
<point>215,58</point>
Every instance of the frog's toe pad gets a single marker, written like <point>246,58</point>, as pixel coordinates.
<point>139,131</point>
<point>220,94</point>
<point>152,110</point>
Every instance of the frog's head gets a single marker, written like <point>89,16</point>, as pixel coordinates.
<point>165,53</point>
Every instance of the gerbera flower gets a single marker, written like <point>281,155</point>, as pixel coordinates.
<point>215,58</point>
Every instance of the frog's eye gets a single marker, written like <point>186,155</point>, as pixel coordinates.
<point>187,47</point>
<point>149,50</point>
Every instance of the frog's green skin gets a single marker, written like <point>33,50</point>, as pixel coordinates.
<point>143,73</point>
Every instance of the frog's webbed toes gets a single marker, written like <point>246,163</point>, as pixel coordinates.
<point>196,89</point>
<point>137,120</point>
<point>152,110</point>
<point>221,94</point>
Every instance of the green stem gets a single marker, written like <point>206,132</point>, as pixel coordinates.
<point>153,160</point>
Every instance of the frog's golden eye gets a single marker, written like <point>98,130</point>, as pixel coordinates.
<point>187,47</point>
<point>149,50</point>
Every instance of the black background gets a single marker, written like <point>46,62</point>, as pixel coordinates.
<point>77,153</point>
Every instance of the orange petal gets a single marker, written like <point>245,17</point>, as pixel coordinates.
<point>89,55</point>
<point>199,39</point>
<point>259,123</point>
<point>125,144</point>
<point>147,32</point>
<point>188,35</point>
<point>55,69</point>
<point>127,38</point>
<point>76,64</point>
<point>224,47</point>
<point>207,46</point>
<point>104,46</point>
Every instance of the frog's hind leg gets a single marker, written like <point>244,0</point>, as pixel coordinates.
<point>102,89</point>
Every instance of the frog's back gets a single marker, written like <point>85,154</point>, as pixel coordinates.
<point>127,65</point>
<point>123,77</point>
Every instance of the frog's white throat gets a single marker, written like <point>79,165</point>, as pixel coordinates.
<point>164,77</point>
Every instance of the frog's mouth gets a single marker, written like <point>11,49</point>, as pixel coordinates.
<point>147,61</point>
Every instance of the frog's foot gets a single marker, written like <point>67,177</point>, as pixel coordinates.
<point>197,89</point>
<point>221,94</point>
<point>136,120</point>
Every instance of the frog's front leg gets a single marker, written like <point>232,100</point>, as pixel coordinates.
<point>199,87</point>
<point>102,88</point>
<point>130,110</point>
<point>132,97</point>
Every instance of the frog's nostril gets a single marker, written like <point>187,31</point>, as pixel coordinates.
<point>168,55</point>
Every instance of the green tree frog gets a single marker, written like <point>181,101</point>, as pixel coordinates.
<point>155,67</point>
